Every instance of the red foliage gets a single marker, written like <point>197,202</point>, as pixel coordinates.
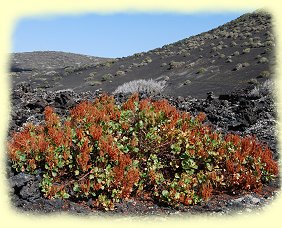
<point>129,104</point>
<point>106,147</point>
<point>206,190</point>
<point>54,189</point>
<point>85,186</point>
<point>123,161</point>
<point>95,132</point>
<point>80,133</point>
<point>128,181</point>
<point>50,117</point>
<point>271,165</point>
<point>125,126</point>
<point>230,166</point>
<point>86,142</point>
<point>187,201</point>
<point>67,141</point>
<point>81,110</point>
<point>57,135</point>
<point>83,156</point>
<point>51,160</point>
<point>201,117</point>
<point>144,105</point>
<point>42,143</point>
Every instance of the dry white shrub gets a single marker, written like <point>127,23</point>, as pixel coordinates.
<point>267,87</point>
<point>148,86</point>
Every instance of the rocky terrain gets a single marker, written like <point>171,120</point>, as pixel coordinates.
<point>226,72</point>
<point>249,111</point>
<point>231,56</point>
<point>42,68</point>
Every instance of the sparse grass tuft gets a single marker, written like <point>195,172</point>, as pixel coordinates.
<point>246,50</point>
<point>201,70</point>
<point>107,77</point>
<point>264,74</point>
<point>174,64</point>
<point>120,73</point>
<point>263,60</point>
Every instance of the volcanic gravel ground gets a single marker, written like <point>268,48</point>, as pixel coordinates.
<point>248,111</point>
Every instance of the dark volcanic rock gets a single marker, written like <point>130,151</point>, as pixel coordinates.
<point>30,191</point>
<point>20,180</point>
<point>192,66</point>
<point>39,104</point>
<point>64,100</point>
<point>199,79</point>
<point>244,112</point>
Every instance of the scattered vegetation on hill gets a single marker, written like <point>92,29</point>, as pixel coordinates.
<point>142,148</point>
<point>215,55</point>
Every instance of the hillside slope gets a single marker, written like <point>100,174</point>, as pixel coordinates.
<point>41,67</point>
<point>232,56</point>
<point>193,66</point>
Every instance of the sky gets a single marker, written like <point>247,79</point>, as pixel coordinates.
<point>111,35</point>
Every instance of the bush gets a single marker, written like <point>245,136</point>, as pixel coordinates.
<point>264,74</point>
<point>92,74</point>
<point>245,64</point>
<point>266,87</point>
<point>174,64</point>
<point>108,63</point>
<point>239,66</point>
<point>221,56</point>
<point>147,86</point>
<point>269,43</point>
<point>263,60</point>
<point>267,50</point>
<point>107,77</point>
<point>246,50</point>
<point>233,44</point>
<point>120,73</point>
<point>69,70</point>
<point>253,81</point>
<point>57,78</point>
<point>201,70</point>
<point>145,149</point>
<point>236,53</point>
<point>187,82</point>
<point>214,49</point>
<point>147,60</point>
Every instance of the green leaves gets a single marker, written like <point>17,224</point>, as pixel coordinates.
<point>76,187</point>
<point>112,152</point>
<point>209,166</point>
<point>22,157</point>
<point>176,148</point>
<point>165,193</point>
<point>189,164</point>
<point>141,124</point>
<point>66,195</point>
<point>54,173</point>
